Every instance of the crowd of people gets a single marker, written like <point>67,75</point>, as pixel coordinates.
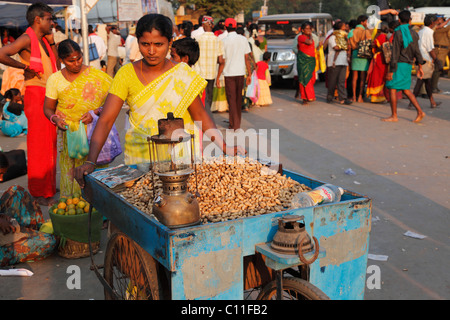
<point>374,63</point>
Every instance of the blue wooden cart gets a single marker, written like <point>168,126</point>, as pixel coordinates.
<point>226,260</point>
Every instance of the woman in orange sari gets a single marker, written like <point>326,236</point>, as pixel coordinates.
<point>376,77</point>
<point>306,64</point>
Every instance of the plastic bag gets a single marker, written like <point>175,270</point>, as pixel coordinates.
<point>77,142</point>
<point>253,88</point>
<point>112,148</point>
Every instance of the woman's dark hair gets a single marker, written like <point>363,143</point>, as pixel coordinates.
<point>384,27</point>
<point>338,25</point>
<point>67,47</point>
<point>187,28</point>
<point>394,24</point>
<point>155,21</point>
<point>11,93</point>
<point>187,47</point>
<point>362,18</point>
<point>266,55</point>
<point>352,24</point>
<point>305,24</point>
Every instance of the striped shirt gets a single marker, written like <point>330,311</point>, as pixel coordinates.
<point>210,48</point>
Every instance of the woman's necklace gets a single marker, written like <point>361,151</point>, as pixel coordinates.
<point>142,73</point>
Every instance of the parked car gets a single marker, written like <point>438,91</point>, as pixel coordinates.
<point>280,31</point>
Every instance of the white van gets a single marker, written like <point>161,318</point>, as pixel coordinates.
<point>280,31</point>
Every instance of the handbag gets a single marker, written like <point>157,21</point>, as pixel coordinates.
<point>112,147</point>
<point>365,48</point>
<point>253,88</point>
<point>77,143</point>
<point>387,51</point>
<point>13,164</point>
<point>93,53</point>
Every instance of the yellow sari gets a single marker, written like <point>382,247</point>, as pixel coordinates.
<point>174,91</point>
<point>87,92</point>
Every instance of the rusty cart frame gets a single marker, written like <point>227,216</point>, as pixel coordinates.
<point>224,259</point>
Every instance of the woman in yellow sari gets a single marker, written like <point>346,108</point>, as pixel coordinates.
<point>70,94</point>
<point>152,87</point>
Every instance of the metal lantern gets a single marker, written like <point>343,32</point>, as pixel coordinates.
<point>172,159</point>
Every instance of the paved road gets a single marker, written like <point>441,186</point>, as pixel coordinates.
<point>403,167</point>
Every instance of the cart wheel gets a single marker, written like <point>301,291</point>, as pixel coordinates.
<point>293,289</point>
<point>130,271</point>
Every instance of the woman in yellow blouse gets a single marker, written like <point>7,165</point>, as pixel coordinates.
<point>152,87</point>
<point>70,94</point>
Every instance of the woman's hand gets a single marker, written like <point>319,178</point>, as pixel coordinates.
<point>30,73</point>
<point>82,171</point>
<point>389,76</point>
<point>235,151</point>
<point>86,118</point>
<point>60,123</point>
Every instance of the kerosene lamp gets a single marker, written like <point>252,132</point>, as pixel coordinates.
<point>172,155</point>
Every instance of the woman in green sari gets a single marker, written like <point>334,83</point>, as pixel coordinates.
<point>152,87</point>
<point>306,63</point>
<point>70,94</point>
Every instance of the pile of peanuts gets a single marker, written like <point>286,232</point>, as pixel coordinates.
<point>229,188</point>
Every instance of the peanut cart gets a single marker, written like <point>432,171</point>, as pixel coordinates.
<point>232,260</point>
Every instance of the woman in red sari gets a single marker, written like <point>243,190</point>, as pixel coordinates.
<point>306,63</point>
<point>376,77</point>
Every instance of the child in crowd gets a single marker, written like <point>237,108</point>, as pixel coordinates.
<point>341,41</point>
<point>14,122</point>
<point>264,81</point>
<point>103,65</point>
<point>185,50</point>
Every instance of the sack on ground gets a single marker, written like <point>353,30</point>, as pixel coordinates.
<point>77,143</point>
<point>13,164</point>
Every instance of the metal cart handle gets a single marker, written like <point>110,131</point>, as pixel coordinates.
<point>300,253</point>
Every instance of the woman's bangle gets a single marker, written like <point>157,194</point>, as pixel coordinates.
<point>91,162</point>
<point>51,119</point>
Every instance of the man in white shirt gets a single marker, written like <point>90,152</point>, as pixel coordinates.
<point>211,54</point>
<point>129,42</point>
<point>426,46</point>
<point>99,44</point>
<point>198,32</point>
<point>237,61</point>
<point>337,68</point>
<point>114,42</point>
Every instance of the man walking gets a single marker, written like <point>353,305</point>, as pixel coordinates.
<point>38,53</point>
<point>405,48</point>
<point>237,61</point>
<point>426,46</point>
<point>442,48</point>
<point>114,42</point>
<point>100,45</point>
<point>211,54</point>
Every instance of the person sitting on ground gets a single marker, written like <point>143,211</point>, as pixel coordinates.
<point>14,122</point>
<point>20,221</point>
